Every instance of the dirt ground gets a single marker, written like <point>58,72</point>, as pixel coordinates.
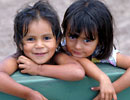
<point>119,8</point>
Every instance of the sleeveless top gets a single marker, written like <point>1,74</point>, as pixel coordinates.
<point>111,60</point>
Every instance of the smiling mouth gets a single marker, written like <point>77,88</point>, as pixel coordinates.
<point>76,53</point>
<point>40,54</point>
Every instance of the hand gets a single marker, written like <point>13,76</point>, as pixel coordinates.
<point>76,58</point>
<point>107,91</point>
<point>97,97</point>
<point>27,65</point>
<point>35,96</point>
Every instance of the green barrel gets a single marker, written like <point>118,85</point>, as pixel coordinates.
<point>55,89</point>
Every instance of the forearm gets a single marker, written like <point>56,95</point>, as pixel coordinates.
<point>9,86</point>
<point>69,72</point>
<point>66,69</point>
<point>123,82</point>
<point>92,70</point>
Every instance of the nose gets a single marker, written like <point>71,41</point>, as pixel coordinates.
<point>78,45</point>
<point>39,44</point>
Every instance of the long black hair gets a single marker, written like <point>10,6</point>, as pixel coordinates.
<point>94,18</point>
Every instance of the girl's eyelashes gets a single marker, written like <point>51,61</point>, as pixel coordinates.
<point>73,36</point>
<point>87,40</point>
<point>47,38</point>
<point>30,39</point>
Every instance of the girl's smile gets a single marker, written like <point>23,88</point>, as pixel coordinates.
<point>39,44</point>
<point>40,54</point>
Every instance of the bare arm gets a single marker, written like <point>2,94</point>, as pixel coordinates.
<point>124,81</point>
<point>8,65</point>
<point>9,86</point>
<point>106,89</point>
<point>91,69</point>
<point>67,68</point>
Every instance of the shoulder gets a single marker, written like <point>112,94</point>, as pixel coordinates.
<point>8,65</point>
<point>64,58</point>
<point>123,61</point>
<point>61,55</point>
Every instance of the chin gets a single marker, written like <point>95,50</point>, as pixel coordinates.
<point>40,62</point>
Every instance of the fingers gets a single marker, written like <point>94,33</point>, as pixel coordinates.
<point>21,66</point>
<point>105,96</point>
<point>108,96</point>
<point>44,98</point>
<point>22,59</point>
<point>115,96</point>
<point>102,96</point>
<point>95,88</point>
<point>23,62</point>
<point>23,71</point>
<point>97,97</point>
<point>112,96</point>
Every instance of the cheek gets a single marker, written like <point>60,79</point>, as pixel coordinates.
<point>93,45</point>
<point>27,48</point>
<point>53,49</point>
<point>89,50</point>
<point>69,46</point>
<point>52,46</point>
<point>70,43</point>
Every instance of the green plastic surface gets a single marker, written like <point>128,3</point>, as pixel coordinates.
<point>55,89</point>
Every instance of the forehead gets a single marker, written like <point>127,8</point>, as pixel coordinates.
<point>39,23</point>
<point>39,26</point>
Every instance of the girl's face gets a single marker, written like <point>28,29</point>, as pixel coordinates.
<point>39,44</point>
<point>80,46</point>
